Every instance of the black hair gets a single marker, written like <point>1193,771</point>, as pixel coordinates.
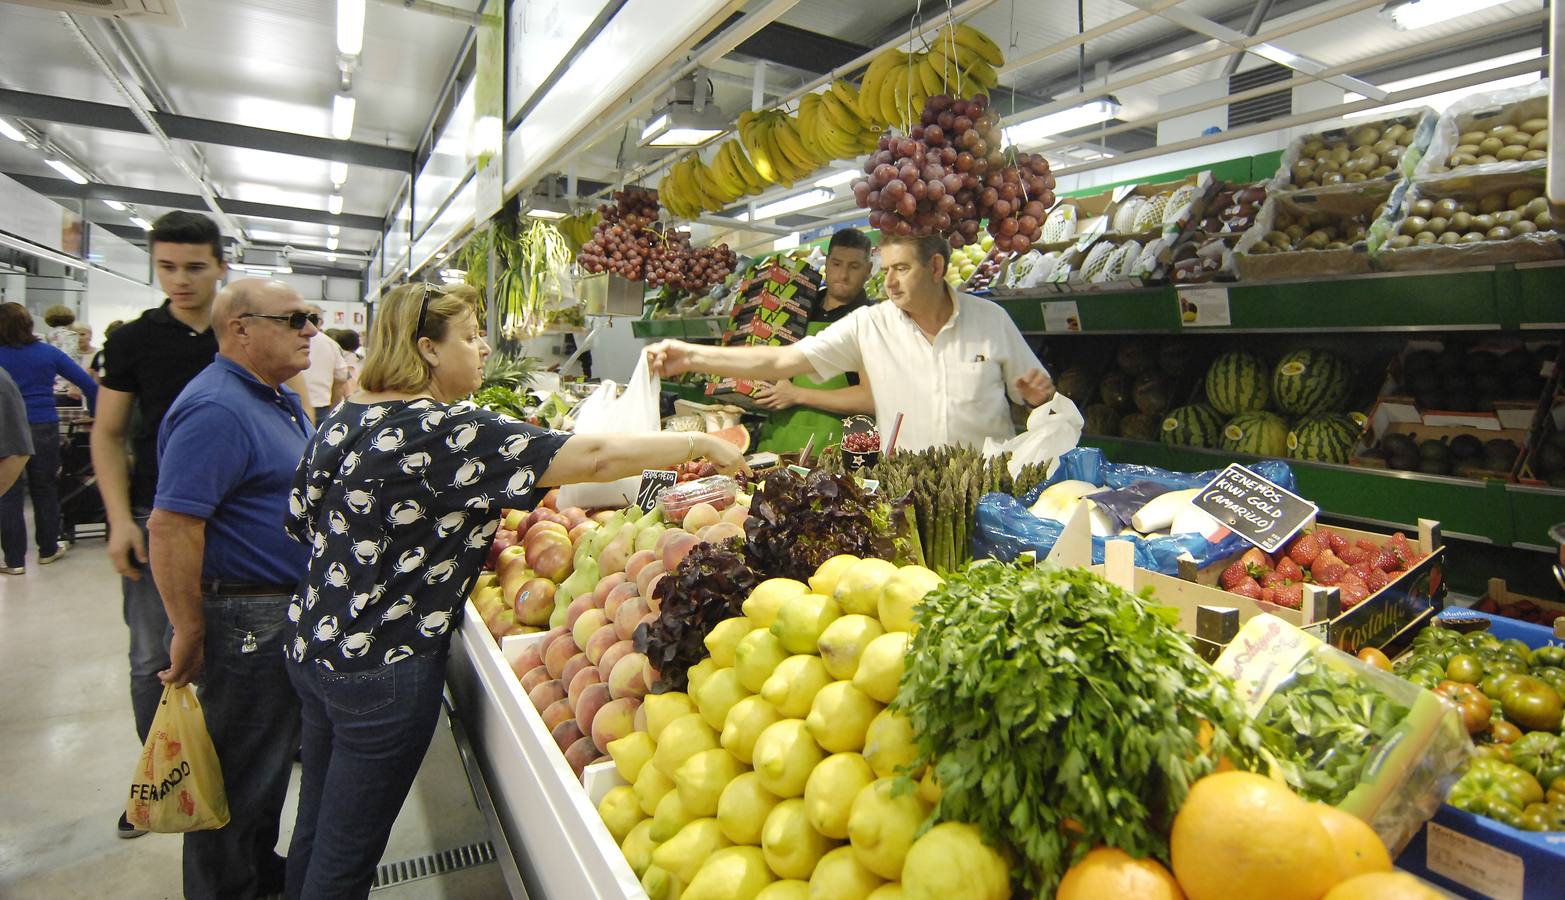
<point>346,338</point>
<point>180,227</point>
<point>849,239</point>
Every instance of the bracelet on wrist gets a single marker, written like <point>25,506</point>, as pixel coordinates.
<point>690,450</point>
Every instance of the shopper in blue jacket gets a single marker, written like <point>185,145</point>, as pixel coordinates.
<point>33,364</point>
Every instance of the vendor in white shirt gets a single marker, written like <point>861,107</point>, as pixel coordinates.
<point>948,362</point>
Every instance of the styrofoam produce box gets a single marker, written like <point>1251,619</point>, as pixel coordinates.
<point>1479,857</point>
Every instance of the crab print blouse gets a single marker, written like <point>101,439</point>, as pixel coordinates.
<point>398,503</point>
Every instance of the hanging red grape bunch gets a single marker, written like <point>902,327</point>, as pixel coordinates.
<point>949,173</point>
<point>623,240</point>
<point>672,263</point>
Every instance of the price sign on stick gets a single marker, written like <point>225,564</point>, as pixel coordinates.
<point>1257,510</point>
<point>653,483</point>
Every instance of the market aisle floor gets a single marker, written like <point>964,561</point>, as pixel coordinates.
<point>67,742</point>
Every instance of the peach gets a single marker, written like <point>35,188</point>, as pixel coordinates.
<point>618,596</point>
<point>555,632</point>
<point>605,586</point>
<point>649,572</point>
<point>534,601</point>
<point>580,681</point>
<point>599,643</point>
<point>533,678</point>
<point>593,697</point>
<point>557,654</point>
<point>630,614</point>
<point>613,655</point>
<point>572,666</point>
<point>736,515</point>
<point>530,658</point>
<point>550,500</point>
<point>581,530</point>
<point>700,516</point>
<point>580,755</point>
<point>615,720</point>
<point>638,561</point>
<point>557,712</point>
<point>665,539</point>
<point>565,734</point>
<point>654,602</point>
<point>677,550</point>
<point>630,677</point>
<point>547,693</point>
<point>586,624</point>
<point>721,531</point>
<point>578,606</point>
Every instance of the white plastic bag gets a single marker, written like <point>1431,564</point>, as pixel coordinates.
<point>635,410</point>
<point>1052,429</point>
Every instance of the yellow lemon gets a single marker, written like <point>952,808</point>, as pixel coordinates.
<point>901,593</point>
<point>722,639</point>
<point>880,667</point>
<point>840,716</point>
<point>743,808</point>
<point>858,590</point>
<point>746,721</point>
<point>824,581</point>
<point>761,606</point>
<point>830,790</point>
<point>785,754</point>
<point>843,642</point>
<point>794,683</point>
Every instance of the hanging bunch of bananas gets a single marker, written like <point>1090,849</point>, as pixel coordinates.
<point>577,229</point>
<point>960,61</point>
<point>692,186</point>
<point>831,126</point>
<point>776,147</point>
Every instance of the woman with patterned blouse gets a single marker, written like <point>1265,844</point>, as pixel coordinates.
<point>399,496</point>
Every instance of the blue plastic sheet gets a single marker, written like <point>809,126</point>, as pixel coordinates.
<point>1005,529</point>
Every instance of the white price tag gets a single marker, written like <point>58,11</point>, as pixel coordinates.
<point>1204,307</point>
<point>1061,317</point>
<point>1490,871</point>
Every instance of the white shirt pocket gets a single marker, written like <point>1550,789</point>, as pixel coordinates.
<point>974,381</point>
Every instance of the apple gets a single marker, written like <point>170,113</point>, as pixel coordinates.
<point>512,519</point>
<point>579,533</point>
<point>575,515</point>
<point>534,601</point>
<point>511,557</point>
<point>551,499</point>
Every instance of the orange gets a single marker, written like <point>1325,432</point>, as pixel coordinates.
<point>1243,835</point>
<point>1358,847</point>
<point>1382,886</point>
<point>1111,872</point>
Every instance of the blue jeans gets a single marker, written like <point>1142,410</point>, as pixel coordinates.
<point>149,637</point>
<point>252,715</point>
<point>41,479</point>
<point>365,736</point>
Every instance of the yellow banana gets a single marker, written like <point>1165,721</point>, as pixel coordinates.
<point>848,96</point>
<point>929,74</point>
<point>838,143</point>
<point>839,114</point>
<point>968,36</point>
<point>808,125</point>
<point>753,181</point>
<point>751,135</point>
<point>726,177</point>
<point>957,54</point>
<point>903,99</point>
<point>788,140</point>
<point>871,91</point>
<point>787,172</point>
<point>888,99</point>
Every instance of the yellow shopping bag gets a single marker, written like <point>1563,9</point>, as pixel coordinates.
<point>178,785</point>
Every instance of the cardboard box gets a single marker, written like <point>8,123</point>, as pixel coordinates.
<point>1307,154</point>
<point>1500,600</point>
<point>1391,417</point>
<point>1483,112</point>
<point>1355,215</point>
<point>1518,413</point>
<point>1479,857</point>
<point>1466,188</point>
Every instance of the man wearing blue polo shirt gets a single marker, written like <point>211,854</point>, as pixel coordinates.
<point>226,569</point>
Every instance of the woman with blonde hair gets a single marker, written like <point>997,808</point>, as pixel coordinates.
<point>399,496</point>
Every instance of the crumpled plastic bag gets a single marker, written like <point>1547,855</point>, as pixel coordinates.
<point>1052,429</point>
<point>178,784</point>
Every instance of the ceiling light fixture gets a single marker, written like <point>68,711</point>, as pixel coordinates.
<point>839,178</point>
<point>1035,131</point>
<point>66,169</point>
<point>687,118</point>
<point>350,27</point>
<point>545,208</point>
<point>114,205</point>
<point>794,204</point>
<point>1415,14</point>
<point>331,257</point>
<point>141,223</point>
<point>12,132</point>
<point>331,243</point>
<point>334,204</point>
<point>334,230</point>
<point>339,172</point>
<point>342,108</point>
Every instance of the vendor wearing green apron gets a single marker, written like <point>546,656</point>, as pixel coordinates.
<point>804,407</point>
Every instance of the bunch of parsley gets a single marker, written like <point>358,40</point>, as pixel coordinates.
<point>1061,713</point>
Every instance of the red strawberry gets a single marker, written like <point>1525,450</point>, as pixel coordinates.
<point>1367,544</point>
<point>1232,575</point>
<point>1304,549</point>
<point>1350,579</point>
<point>1362,569</point>
<point>1247,588</point>
<point>1353,555</point>
<point>1399,545</point>
<point>1353,595</point>
<point>1289,595</point>
<point>1386,561</point>
<point>1267,594</point>
<point>1327,568</point>
<point>1272,579</point>
<point>1376,579</point>
<point>1256,557</point>
<point>1289,569</point>
<point>1336,542</point>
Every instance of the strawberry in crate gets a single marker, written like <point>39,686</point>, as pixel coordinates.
<point>1324,557</point>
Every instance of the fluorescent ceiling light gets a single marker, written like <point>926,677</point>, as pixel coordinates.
<point>342,108</point>
<point>45,253</point>
<point>66,169</point>
<point>10,131</point>
<point>679,125</point>
<point>794,204</point>
<point>141,223</point>
<point>331,243</point>
<point>331,257</point>
<point>334,204</point>
<point>283,269</point>
<point>1416,14</point>
<point>545,214</point>
<point>334,230</point>
<point>115,205</point>
<point>339,172</point>
<point>545,208</point>
<point>1033,131</point>
<point>350,27</point>
<point>839,178</point>
<point>1444,99</point>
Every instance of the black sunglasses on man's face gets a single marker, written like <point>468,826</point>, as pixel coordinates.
<point>296,321</point>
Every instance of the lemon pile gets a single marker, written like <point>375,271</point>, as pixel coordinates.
<point>773,777</point>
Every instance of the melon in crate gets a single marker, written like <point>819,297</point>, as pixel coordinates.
<point>1323,438</point>
<point>1196,425</point>
<point>1150,218</point>
<point>1125,216</point>
<point>1060,224</point>
<point>1256,433</point>
<point>1182,197</point>
<point>1121,261</point>
<point>1238,382</point>
<point>1311,381</point>
<point>1092,268</point>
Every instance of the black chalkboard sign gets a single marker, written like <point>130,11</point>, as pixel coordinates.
<point>1255,509</point>
<point>653,483</point>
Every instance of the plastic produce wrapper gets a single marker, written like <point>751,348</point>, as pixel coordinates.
<point>178,784</point>
<point>1423,121</point>
<point>1409,762</point>
<point>636,410</point>
<point>1052,429</point>
<point>1463,185</point>
<point>1481,112</point>
<point>1005,528</point>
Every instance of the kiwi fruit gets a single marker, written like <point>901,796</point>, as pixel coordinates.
<point>1482,222</point>
<point>1425,238</point>
<point>1425,208</point>
<point>1448,238</point>
<point>1460,221</point>
<point>1507,217</point>
<point>1491,203</point>
<point>1437,224</point>
<point>1512,152</point>
<point>1414,224</point>
<point>1498,233</point>
<point>1472,137</point>
<point>1402,241</point>
<point>1534,156</point>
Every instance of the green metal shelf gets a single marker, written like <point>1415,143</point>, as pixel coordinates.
<point>1503,298</point>
<point>1490,511</point>
<point>697,329</point>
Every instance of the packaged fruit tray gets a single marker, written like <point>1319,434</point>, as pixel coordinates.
<point>1467,219</point>
<point>1358,156</point>
<point>1204,250</point>
<point>1500,131</point>
<point>1310,235</point>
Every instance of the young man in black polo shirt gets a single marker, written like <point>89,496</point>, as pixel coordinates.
<point>847,271</point>
<point>147,363</point>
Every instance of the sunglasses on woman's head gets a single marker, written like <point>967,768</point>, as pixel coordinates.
<point>296,321</point>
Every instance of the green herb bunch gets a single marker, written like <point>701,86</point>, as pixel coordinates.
<point>1061,713</point>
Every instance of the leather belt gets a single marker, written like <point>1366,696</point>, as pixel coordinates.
<point>222,588</point>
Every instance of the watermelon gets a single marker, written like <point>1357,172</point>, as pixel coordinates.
<point>1140,427</point>
<point>1175,357</point>
<point>1136,357</point>
<point>1257,433</point>
<point>1197,425</point>
<point>1114,390</point>
<point>736,435</point>
<point>1153,394</point>
<point>1237,383</point>
<point>1323,438</point>
<point>1076,383</point>
<point>1311,381</point>
<point>1101,419</point>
